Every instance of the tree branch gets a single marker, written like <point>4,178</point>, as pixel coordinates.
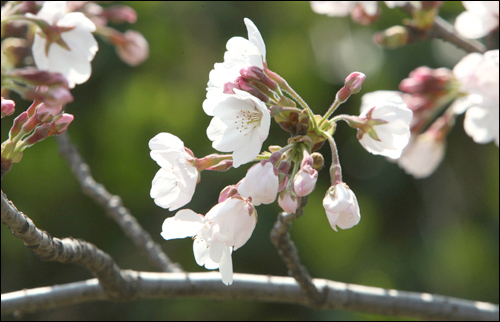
<point>248,287</point>
<point>443,30</point>
<point>67,250</point>
<point>288,252</point>
<point>114,206</point>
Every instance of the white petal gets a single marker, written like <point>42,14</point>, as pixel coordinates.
<point>472,26</point>
<point>255,37</point>
<point>185,223</point>
<point>226,267</point>
<point>201,252</point>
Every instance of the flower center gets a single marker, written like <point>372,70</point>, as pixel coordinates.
<point>248,120</point>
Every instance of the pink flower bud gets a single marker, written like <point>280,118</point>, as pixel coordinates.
<point>45,113</point>
<point>229,88</point>
<point>30,124</point>
<point>37,77</point>
<point>253,73</point>
<point>18,123</point>
<point>8,107</point>
<point>120,14</point>
<point>60,123</point>
<point>305,180</point>
<point>288,201</point>
<point>41,133</point>
<point>354,81</point>
<point>228,192</point>
<point>50,96</point>
<point>132,47</point>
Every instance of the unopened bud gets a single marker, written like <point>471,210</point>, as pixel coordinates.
<point>288,201</point>
<point>318,160</point>
<point>41,133</point>
<point>45,113</point>
<point>60,123</point>
<point>354,81</point>
<point>8,107</point>
<point>120,13</point>
<point>255,74</point>
<point>37,77</point>
<point>228,192</point>
<point>134,49</point>
<point>50,96</point>
<point>18,124</point>
<point>394,37</point>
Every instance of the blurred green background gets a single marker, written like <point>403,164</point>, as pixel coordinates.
<point>436,235</point>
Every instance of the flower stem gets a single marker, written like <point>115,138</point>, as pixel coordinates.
<point>336,103</point>
<point>335,169</point>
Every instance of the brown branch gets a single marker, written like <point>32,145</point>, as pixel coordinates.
<point>276,289</point>
<point>443,30</point>
<point>288,253</point>
<point>67,250</point>
<point>114,206</point>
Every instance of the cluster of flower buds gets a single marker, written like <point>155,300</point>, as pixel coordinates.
<point>63,48</point>
<point>243,96</point>
<point>36,124</point>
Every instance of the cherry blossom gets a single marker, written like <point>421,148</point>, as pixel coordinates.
<point>479,19</point>
<point>261,183</point>
<point>174,184</point>
<point>225,228</point>
<point>70,47</point>
<point>240,125</point>
<point>387,129</point>
<point>341,207</point>
<point>479,78</point>
<point>241,53</point>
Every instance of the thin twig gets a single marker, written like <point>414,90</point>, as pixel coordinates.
<point>114,207</point>
<point>67,250</point>
<point>288,252</point>
<point>443,30</point>
<point>248,287</point>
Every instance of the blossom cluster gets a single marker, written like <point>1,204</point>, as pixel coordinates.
<point>472,87</point>
<point>243,96</point>
<point>62,50</point>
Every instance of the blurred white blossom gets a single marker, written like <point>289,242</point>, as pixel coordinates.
<point>70,46</point>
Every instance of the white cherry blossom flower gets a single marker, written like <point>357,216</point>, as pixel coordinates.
<point>479,19</point>
<point>389,138</point>
<point>479,78</point>
<point>225,228</point>
<point>240,53</point>
<point>343,8</point>
<point>174,184</point>
<point>240,125</point>
<point>76,33</point>
<point>341,207</point>
<point>261,184</point>
<point>482,123</point>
